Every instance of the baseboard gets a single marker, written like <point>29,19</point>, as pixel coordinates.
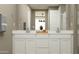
<point>4,52</point>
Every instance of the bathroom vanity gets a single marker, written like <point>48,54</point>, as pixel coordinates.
<point>51,43</point>
<point>52,33</point>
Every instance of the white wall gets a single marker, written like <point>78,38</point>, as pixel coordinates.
<point>28,17</point>
<point>64,21</point>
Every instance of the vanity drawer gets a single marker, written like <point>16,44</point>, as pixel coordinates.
<point>42,51</point>
<point>42,43</point>
<point>24,36</point>
<point>60,36</point>
<point>42,46</point>
<point>42,36</point>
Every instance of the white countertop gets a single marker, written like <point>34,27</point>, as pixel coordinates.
<point>34,32</point>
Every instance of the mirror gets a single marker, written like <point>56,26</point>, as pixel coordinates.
<point>60,17</point>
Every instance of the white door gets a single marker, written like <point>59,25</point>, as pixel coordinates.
<point>54,46</point>
<point>54,17</point>
<point>30,46</point>
<point>19,46</point>
<point>66,46</point>
<point>42,46</point>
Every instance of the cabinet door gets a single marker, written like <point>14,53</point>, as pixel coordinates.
<point>42,46</point>
<point>30,46</point>
<point>66,46</point>
<point>54,46</point>
<point>19,46</point>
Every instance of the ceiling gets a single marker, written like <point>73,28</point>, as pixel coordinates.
<point>42,6</point>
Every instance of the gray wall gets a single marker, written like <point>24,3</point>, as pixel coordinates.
<point>9,11</point>
<point>15,16</point>
<point>22,16</point>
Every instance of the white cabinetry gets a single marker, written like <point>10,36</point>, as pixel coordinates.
<point>66,46</point>
<point>18,46</point>
<point>42,44</point>
<point>54,46</point>
<point>30,46</point>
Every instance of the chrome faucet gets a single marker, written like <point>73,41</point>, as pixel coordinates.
<point>57,30</point>
<point>27,30</point>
